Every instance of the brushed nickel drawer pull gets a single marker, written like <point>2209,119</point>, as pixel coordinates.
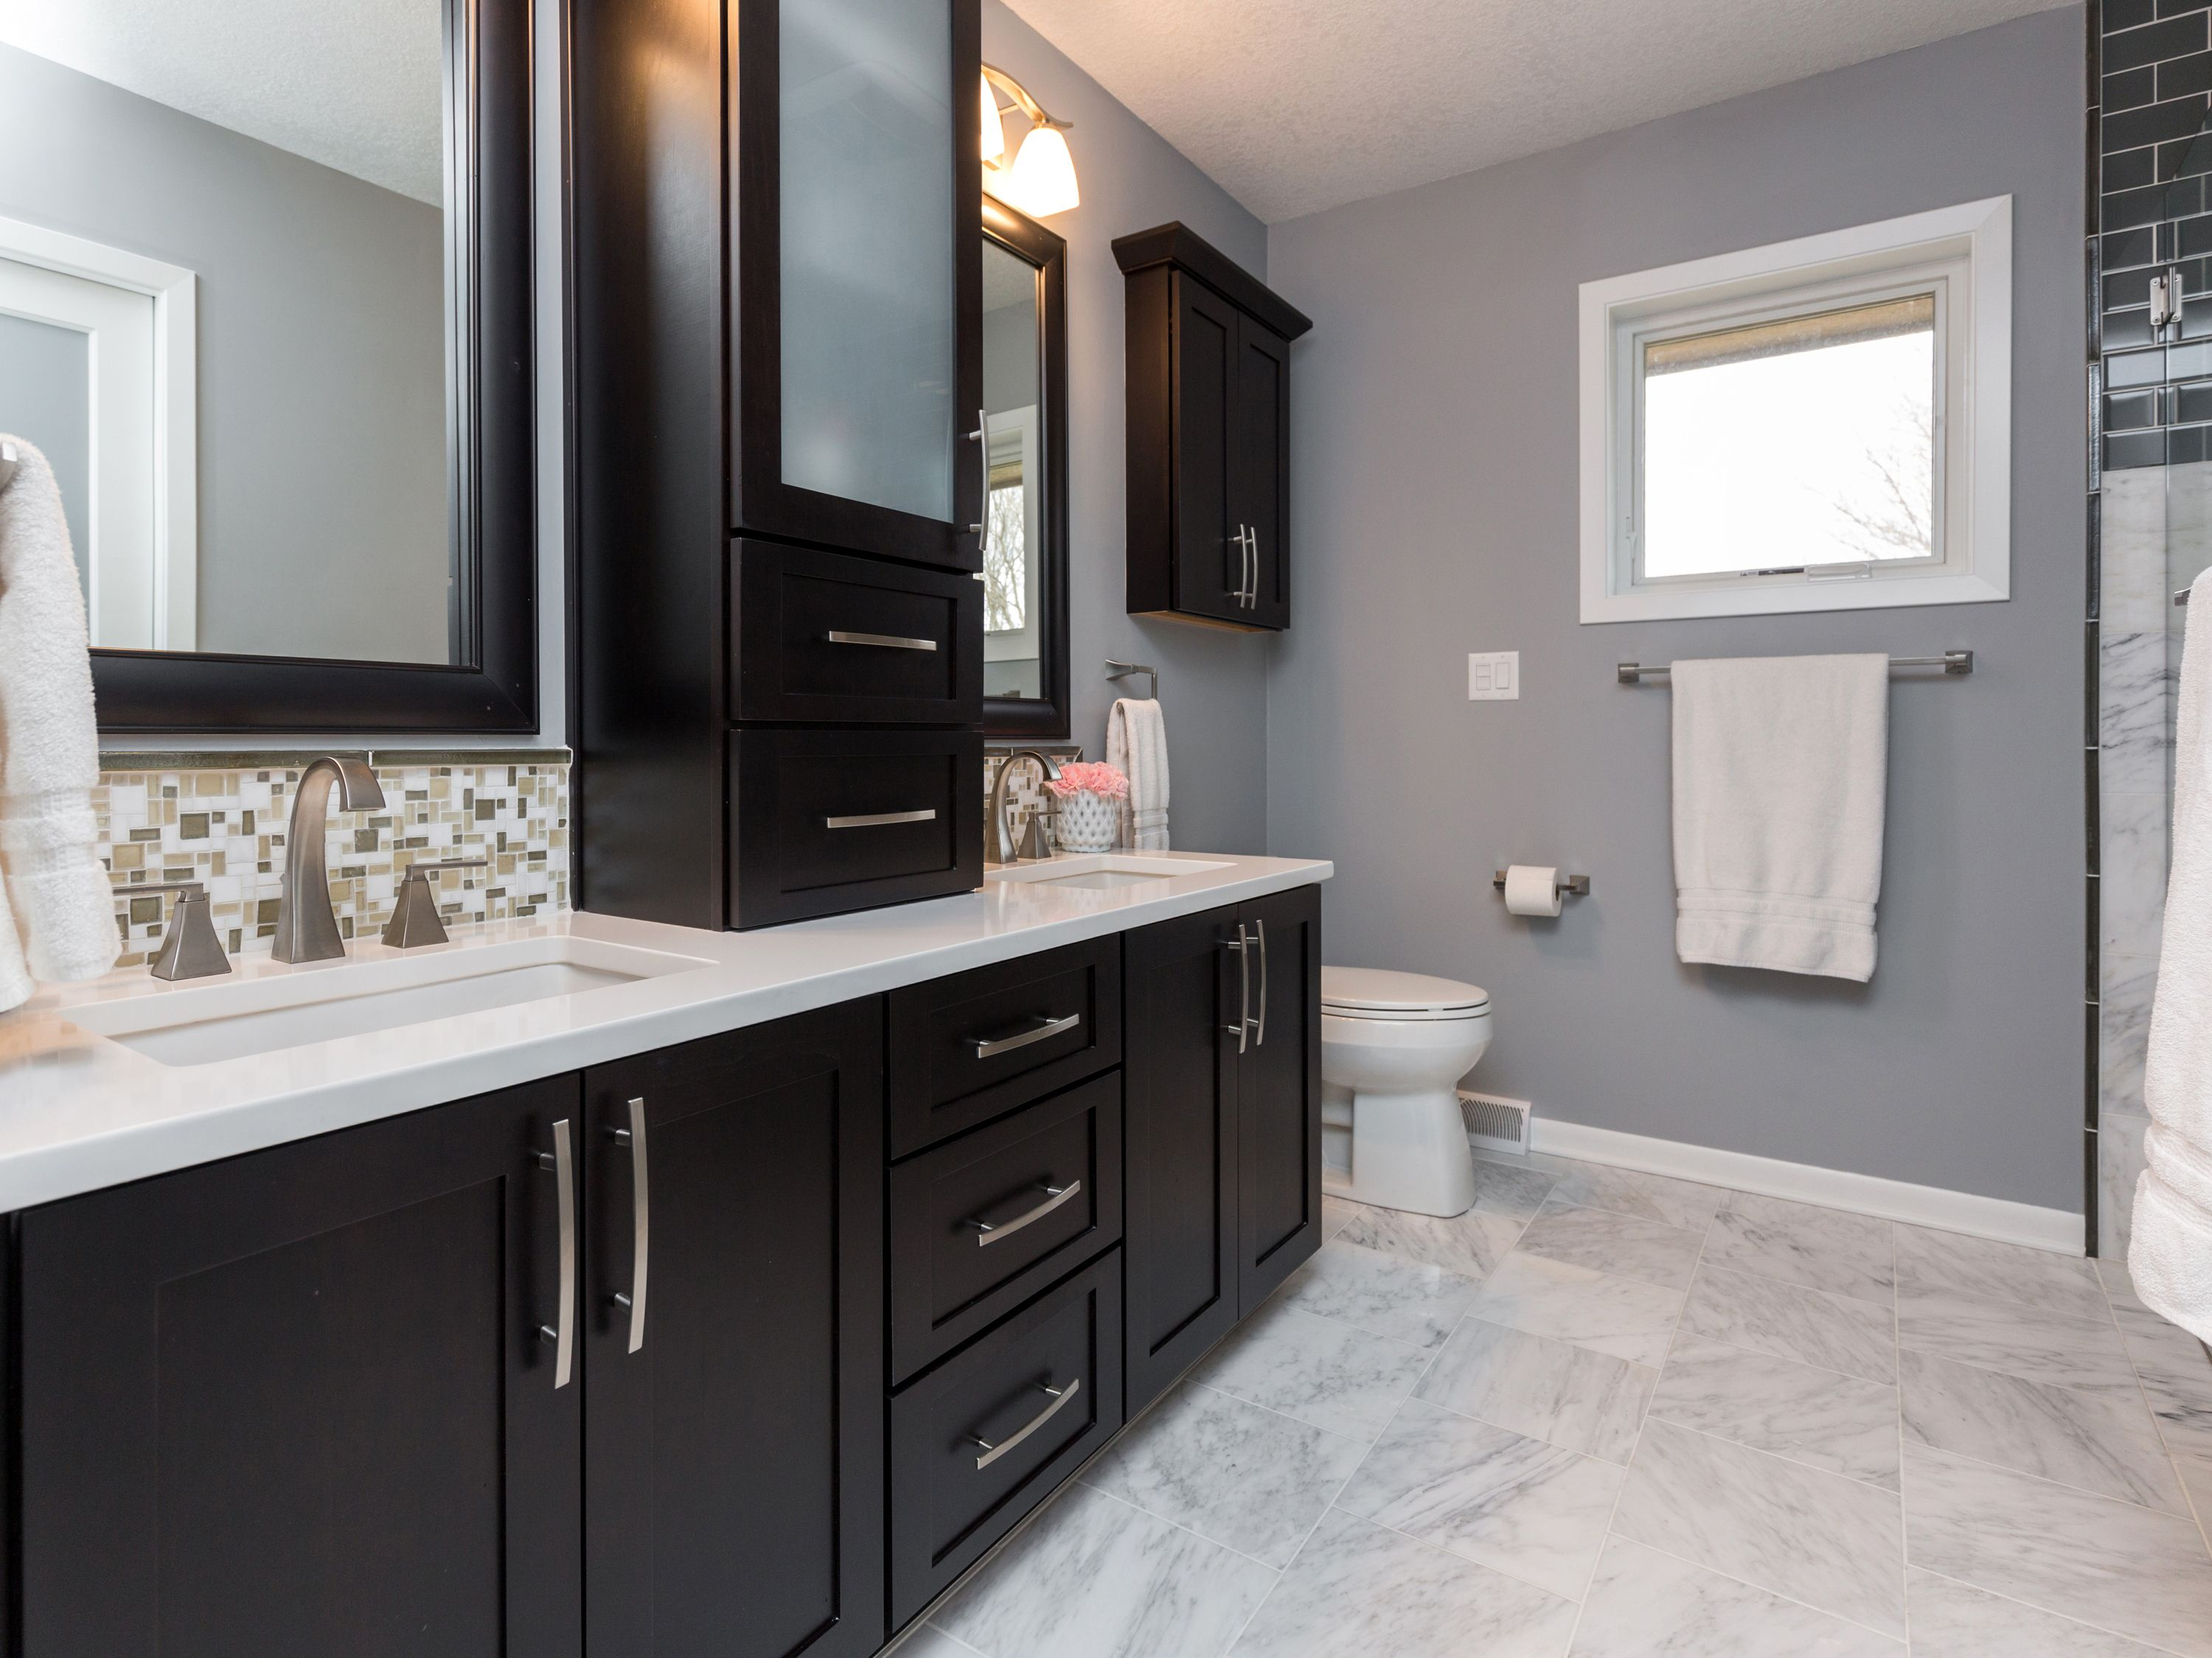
<point>889,641</point>
<point>632,1140</point>
<point>989,1047</point>
<point>562,1335</point>
<point>987,1233</point>
<point>874,819</point>
<point>1059,1397</point>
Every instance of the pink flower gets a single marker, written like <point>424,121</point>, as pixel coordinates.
<point>1100,779</point>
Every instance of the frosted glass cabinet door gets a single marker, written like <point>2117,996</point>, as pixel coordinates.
<point>876,189</point>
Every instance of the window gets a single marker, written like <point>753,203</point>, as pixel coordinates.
<point>1822,424</point>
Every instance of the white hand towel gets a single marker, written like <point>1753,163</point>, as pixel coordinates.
<point>56,913</point>
<point>1780,766</point>
<point>2170,1243</point>
<point>1137,743</point>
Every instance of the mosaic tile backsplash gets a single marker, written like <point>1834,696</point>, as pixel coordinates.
<point>225,826</point>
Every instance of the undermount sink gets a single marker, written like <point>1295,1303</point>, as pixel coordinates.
<point>1104,871</point>
<point>278,1008</point>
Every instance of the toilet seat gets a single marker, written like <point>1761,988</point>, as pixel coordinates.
<point>1373,992</point>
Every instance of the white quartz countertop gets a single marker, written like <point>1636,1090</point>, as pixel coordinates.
<point>79,1112</point>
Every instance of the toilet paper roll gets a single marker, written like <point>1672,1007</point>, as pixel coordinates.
<point>1532,889</point>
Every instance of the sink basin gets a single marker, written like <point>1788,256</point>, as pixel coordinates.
<point>274,1008</point>
<point>1104,871</point>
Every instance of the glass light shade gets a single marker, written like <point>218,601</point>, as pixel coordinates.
<point>1043,181</point>
<point>994,131</point>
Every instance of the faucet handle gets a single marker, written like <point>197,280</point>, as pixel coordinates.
<point>414,919</point>
<point>189,948</point>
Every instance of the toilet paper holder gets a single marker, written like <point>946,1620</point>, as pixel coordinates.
<point>1565,886</point>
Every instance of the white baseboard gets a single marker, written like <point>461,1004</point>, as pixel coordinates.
<point>2057,1229</point>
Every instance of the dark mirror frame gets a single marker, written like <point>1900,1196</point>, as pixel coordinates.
<point>491,419</point>
<point>1047,715</point>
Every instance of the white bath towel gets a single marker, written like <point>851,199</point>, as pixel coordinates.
<point>57,914</point>
<point>1780,766</point>
<point>1137,743</point>
<point>2170,1243</point>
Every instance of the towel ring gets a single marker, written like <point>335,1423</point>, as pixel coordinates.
<point>1118,670</point>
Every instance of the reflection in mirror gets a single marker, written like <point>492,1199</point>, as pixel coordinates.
<point>223,278</point>
<point>1013,523</point>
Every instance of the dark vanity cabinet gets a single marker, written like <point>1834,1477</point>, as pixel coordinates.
<point>1223,1146</point>
<point>1208,389</point>
<point>780,453</point>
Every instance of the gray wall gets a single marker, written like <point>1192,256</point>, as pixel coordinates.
<point>1434,512</point>
<point>322,503</point>
<point>1214,684</point>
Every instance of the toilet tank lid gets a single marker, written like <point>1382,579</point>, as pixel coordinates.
<point>1381,990</point>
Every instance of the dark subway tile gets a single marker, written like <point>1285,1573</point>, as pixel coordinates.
<point>2192,405</point>
<point>2135,369</point>
<point>2123,250</point>
<point>2184,447</point>
<point>2128,14</point>
<point>2192,238</point>
<point>2125,328</point>
<point>2154,124</point>
<point>2185,157</point>
<point>2197,319</point>
<point>2126,288</point>
<point>2133,89</point>
<point>2131,169</point>
<point>2134,449</point>
<point>2183,197</point>
<point>2130,411</point>
<point>2176,8</point>
<point>2175,37</point>
<point>2126,208</point>
<point>2179,76</point>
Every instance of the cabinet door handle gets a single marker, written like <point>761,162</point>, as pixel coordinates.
<point>989,1232</point>
<point>1242,1027</point>
<point>1252,594</point>
<point>889,641</point>
<point>980,438</point>
<point>988,1047</point>
<point>875,819</point>
<point>1259,1031</point>
<point>562,1333</point>
<point>632,1140</point>
<point>1059,1397</point>
<point>1243,566</point>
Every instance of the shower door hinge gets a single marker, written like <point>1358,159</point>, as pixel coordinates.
<point>2165,296</point>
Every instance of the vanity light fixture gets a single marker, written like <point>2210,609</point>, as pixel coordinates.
<point>1040,179</point>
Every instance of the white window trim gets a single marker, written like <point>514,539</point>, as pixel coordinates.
<point>1974,241</point>
<point>174,576</point>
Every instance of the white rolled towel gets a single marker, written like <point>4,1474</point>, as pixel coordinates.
<point>57,911</point>
<point>1137,743</point>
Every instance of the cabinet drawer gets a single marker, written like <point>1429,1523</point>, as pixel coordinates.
<point>974,1045</point>
<point>823,638</point>
<point>825,822</point>
<point>952,1498</point>
<point>982,1223</point>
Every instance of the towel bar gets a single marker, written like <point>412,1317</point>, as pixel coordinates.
<point>1952,662</point>
<point>1118,670</point>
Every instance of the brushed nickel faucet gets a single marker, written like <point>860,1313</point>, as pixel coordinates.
<point>307,928</point>
<point>1002,848</point>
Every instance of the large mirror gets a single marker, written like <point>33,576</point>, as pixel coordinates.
<point>264,305</point>
<point>1025,513</point>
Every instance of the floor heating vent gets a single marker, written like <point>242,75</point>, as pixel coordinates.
<point>1495,1124</point>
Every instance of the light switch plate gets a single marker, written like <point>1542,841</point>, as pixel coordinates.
<point>1494,676</point>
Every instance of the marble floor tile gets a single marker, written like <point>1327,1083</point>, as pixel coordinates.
<point>1622,1316</point>
<point>1800,1244</point>
<point>1831,1542</point>
<point>1327,1374</point>
<point>2110,1564</point>
<point>2033,1342</point>
<point>2119,1288</point>
<point>1229,1471</point>
<point>1335,1214</point>
<point>1096,1578</point>
<point>2101,1443</point>
<point>1554,1391</point>
<point>1409,1301</point>
<point>1511,1188</point>
<point>1843,1423</point>
<point>928,1641</point>
<point>1473,1243</point>
<point>1629,1192</point>
<point>1610,1242</point>
<point>1517,1505</point>
<point>2176,1379</point>
<point>1812,1326</point>
<point>1359,1591</point>
<point>1955,1620</point>
<point>1999,1272</point>
<point>1645,1604</point>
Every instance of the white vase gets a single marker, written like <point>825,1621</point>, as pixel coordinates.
<point>1087,821</point>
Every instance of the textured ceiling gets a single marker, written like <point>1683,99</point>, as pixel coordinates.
<point>351,83</point>
<point>1293,105</point>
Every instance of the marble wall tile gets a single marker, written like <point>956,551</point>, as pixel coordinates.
<point>1323,1372</point>
<point>2126,985</point>
<point>1645,1604</point>
<point>1409,1301</point>
<point>2131,835</point>
<point>1810,1326</point>
<point>2132,537</point>
<point>1999,1272</point>
<point>1819,1248</point>
<point>1954,1620</point>
<point>2007,1336</point>
<point>1093,1577</point>
<point>2119,1166</point>
<point>1610,1242</point>
<point>1251,1479</point>
<point>1472,1243</point>
<point>2134,692</point>
<point>2128,1569</point>
<point>1550,1390</point>
<point>1830,1542</point>
<point>1622,1316</point>
<point>2101,1443</point>
<point>1838,1423</point>
<point>1516,1504</point>
<point>1359,1588</point>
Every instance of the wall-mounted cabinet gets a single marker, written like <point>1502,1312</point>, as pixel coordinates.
<point>1209,402</point>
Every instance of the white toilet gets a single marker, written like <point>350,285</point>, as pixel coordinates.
<point>1393,1045</point>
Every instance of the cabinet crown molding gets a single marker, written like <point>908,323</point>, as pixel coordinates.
<point>1176,243</point>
